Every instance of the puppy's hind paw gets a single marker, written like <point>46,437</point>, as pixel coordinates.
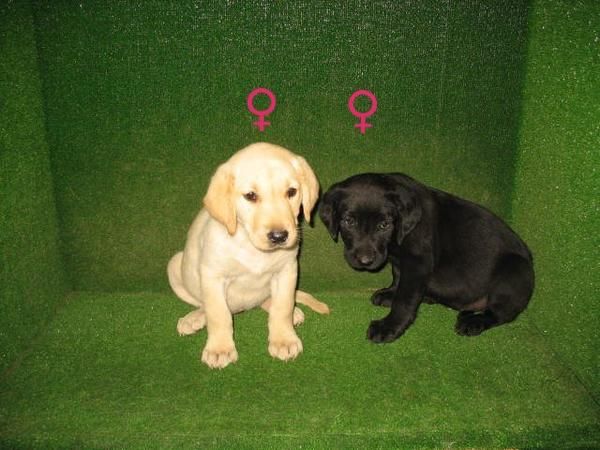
<point>191,323</point>
<point>298,317</point>
<point>470,324</point>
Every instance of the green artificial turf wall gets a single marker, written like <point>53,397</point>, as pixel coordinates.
<point>558,183</point>
<point>32,281</point>
<point>145,99</point>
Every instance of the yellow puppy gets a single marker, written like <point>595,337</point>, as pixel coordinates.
<point>242,248</point>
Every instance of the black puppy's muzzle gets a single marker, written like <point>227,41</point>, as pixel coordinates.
<point>365,259</point>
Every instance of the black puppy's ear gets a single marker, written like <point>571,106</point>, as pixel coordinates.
<point>328,211</point>
<point>409,211</point>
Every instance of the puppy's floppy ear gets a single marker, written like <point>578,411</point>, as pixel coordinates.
<point>409,211</point>
<point>328,211</point>
<point>309,185</point>
<point>218,201</point>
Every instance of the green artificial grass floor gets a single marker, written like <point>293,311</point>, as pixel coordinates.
<point>110,371</point>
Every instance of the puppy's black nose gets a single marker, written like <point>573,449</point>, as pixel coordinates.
<point>277,236</point>
<point>366,260</point>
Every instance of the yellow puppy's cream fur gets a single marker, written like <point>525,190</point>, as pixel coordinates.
<point>231,263</point>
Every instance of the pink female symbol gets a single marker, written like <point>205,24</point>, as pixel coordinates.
<point>261,123</point>
<point>363,125</point>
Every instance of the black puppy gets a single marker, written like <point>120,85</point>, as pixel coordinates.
<point>453,251</point>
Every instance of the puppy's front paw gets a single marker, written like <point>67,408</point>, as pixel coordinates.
<point>383,297</point>
<point>285,348</point>
<point>219,355</point>
<point>380,331</point>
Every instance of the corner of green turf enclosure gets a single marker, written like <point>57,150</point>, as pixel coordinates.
<point>555,204</point>
<point>32,279</point>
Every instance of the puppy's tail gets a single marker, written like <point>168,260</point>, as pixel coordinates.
<point>314,304</point>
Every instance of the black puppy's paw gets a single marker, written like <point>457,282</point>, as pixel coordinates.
<point>383,297</point>
<point>470,324</point>
<point>381,331</point>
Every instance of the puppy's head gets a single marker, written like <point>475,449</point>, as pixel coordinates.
<point>262,188</point>
<point>370,212</point>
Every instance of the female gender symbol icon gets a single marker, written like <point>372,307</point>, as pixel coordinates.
<point>261,122</point>
<point>363,125</point>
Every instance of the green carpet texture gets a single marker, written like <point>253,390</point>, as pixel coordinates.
<point>557,197</point>
<point>32,275</point>
<point>113,117</point>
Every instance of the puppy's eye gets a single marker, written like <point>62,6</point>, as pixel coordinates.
<point>251,196</point>
<point>291,192</point>
<point>382,226</point>
<point>348,222</point>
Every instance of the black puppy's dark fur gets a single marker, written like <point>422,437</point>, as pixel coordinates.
<point>451,250</point>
